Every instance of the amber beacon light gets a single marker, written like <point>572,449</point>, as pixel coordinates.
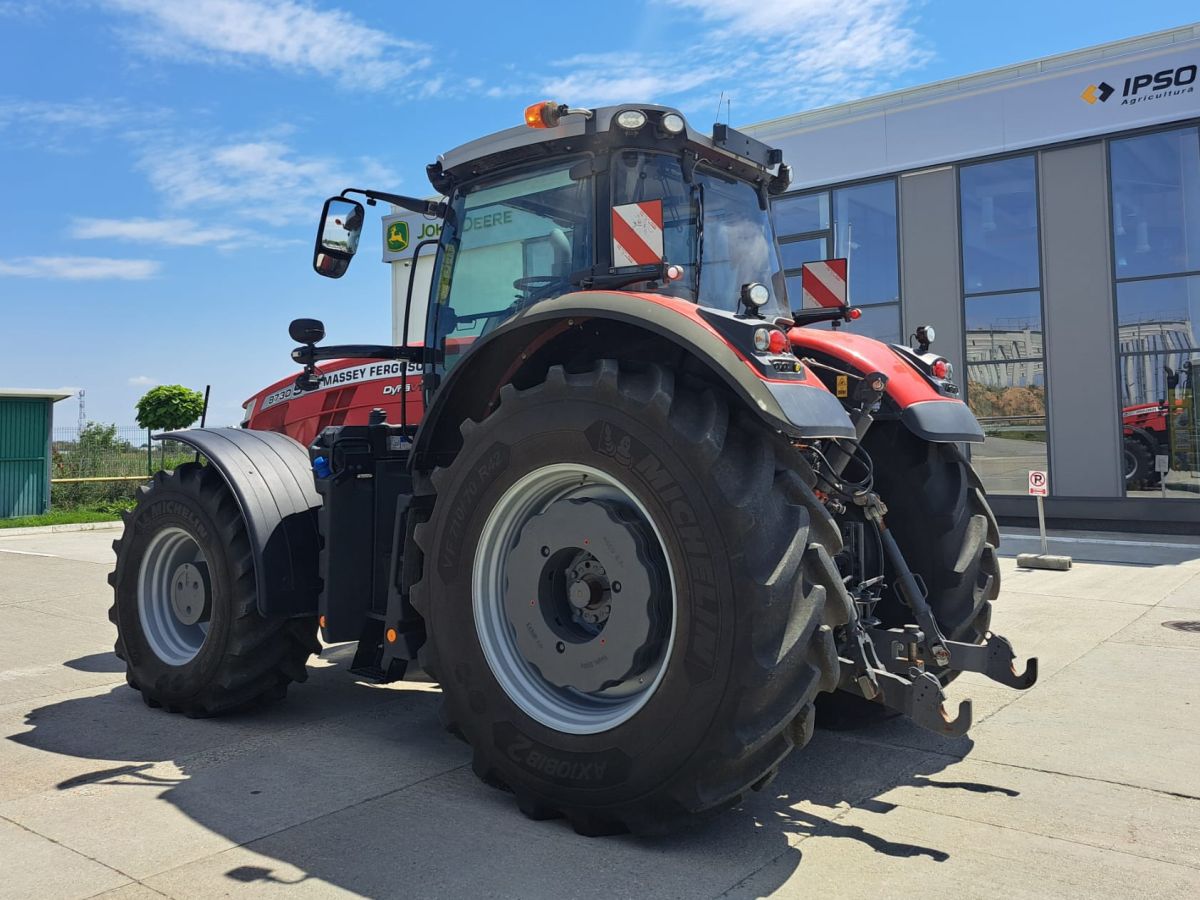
<point>542,115</point>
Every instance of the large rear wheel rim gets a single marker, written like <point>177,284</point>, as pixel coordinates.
<point>563,708</point>
<point>172,573</point>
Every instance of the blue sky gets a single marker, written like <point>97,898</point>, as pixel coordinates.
<point>163,163</point>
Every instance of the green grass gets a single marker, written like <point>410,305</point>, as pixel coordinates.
<point>109,512</point>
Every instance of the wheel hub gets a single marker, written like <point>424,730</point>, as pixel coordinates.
<point>580,594</point>
<point>175,600</point>
<point>589,590</point>
<point>191,597</point>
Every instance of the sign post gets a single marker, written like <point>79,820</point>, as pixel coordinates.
<point>1039,487</point>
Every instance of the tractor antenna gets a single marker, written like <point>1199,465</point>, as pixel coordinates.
<point>720,100</point>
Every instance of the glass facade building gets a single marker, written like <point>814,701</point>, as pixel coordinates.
<point>1053,239</point>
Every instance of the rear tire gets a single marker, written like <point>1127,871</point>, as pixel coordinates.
<point>747,637</point>
<point>1139,464</point>
<point>219,660</point>
<point>939,515</point>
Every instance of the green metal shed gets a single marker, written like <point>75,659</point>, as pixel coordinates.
<point>26,416</point>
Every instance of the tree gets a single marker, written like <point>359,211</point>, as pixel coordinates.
<point>169,407</point>
<point>166,408</point>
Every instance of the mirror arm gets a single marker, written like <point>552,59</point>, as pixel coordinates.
<point>309,354</point>
<point>412,204</point>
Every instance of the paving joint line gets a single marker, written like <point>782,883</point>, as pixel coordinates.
<point>992,762</point>
<point>1052,837</point>
<point>833,819</point>
<point>70,849</point>
<point>324,815</point>
<point>122,887</point>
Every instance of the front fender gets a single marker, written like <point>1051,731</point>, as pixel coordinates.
<point>927,413</point>
<point>800,406</point>
<point>271,479</point>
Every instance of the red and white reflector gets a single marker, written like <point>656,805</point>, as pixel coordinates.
<point>637,233</point>
<point>824,283</point>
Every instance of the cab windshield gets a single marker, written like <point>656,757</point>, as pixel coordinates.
<point>508,244</point>
<point>716,220</point>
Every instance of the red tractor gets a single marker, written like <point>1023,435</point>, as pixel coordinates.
<point>644,518</point>
<point>1166,428</point>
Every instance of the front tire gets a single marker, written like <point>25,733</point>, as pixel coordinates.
<point>722,648</point>
<point>185,603</point>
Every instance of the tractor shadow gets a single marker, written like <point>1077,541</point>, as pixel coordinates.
<point>358,787</point>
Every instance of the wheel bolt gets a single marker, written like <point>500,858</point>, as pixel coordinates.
<point>616,587</point>
<point>545,551</point>
<point>560,647</point>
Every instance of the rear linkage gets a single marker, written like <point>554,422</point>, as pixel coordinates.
<point>891,666</point>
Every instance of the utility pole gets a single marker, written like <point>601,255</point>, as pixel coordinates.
<point>82,411</point>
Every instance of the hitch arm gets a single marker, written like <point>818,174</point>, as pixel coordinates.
<point>913,693</point>
<point>902,649</point>
<point>906,583</point>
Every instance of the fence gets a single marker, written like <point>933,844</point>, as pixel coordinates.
<point>103,464</point>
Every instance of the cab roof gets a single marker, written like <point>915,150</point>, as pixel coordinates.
<point>725,147</point>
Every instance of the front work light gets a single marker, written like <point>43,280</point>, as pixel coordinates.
<point>631,119</point>
<point>672,123</point>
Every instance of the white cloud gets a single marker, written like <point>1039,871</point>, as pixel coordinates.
<point>289,35</point>
<point>265,180</point>
<point>71,127</point>
<point>143,381</point>
<point>83,114</point>
<point>80,268</point>
<point>172,232</point>
<point>17,9</point>
<point>781,55</point>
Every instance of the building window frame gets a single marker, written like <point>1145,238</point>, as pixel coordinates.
<point>829,235</point>
<point>1035,154</point>
<point>1117,356</point>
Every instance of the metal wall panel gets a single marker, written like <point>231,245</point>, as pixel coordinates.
<point>929,254</point>
<point>24,463</point>
<point>1081,378</point>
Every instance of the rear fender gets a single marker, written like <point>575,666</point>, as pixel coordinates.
<point>271,479</point>
<point>797,403</point>
<point>930,415</point>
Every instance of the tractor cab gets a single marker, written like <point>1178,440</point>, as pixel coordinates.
<point>627,198</point>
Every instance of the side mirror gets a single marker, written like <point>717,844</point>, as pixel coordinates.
<point>337,236</point>
<point>307,331</point>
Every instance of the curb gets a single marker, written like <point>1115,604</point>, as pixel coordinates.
<point>55,529</point>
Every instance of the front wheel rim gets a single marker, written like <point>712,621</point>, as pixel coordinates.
<point>174,596</point>
<point>565,708</point>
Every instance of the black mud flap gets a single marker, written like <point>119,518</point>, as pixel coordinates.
<point>271,480</point>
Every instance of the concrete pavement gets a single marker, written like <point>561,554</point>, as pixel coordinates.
<point>1086,786</point>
